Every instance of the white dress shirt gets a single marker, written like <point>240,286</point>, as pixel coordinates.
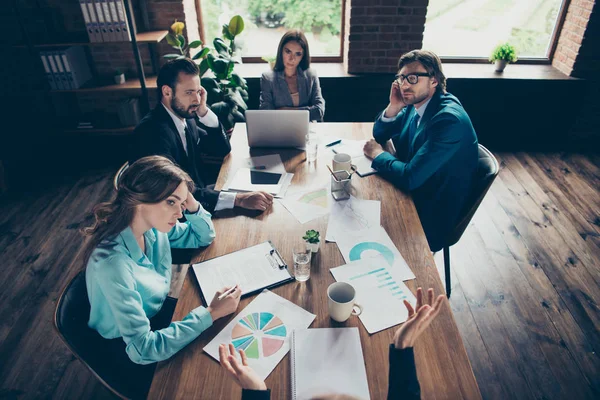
<point>226,200</point>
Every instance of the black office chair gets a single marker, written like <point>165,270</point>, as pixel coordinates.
<point>71,322</point>
<point>487,170</point>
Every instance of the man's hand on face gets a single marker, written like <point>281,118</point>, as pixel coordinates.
<point>254,200</point>
<point>202,108</point>
<point>372,149</point>
<point>396,101</point>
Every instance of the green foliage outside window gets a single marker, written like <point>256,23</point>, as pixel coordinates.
<point>307,15</point>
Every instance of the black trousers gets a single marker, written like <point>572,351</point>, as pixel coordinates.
<point>135,378</point>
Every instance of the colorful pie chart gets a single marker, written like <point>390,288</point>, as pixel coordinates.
<point>259,334</point>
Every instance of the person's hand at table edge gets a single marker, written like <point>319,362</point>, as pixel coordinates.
<point>240,372</point>
<point>254,200</point>
<point>418,320</point>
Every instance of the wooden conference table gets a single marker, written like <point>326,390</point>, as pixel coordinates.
<point>443,367</point>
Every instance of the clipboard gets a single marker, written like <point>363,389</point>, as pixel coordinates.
<point>254,268</point>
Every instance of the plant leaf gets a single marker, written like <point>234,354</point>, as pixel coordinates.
<point>201,54</point>
<point>195,44</point>
<point>181,39</point>
<point>221,47</point>
<point>172,40</point>
<point>236,25</point>
<point>203,67</point>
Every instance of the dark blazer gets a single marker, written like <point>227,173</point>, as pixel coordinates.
<point>439,169</point>
<point>274,92</point>
<point>156,134</point>
<point>403,382</point>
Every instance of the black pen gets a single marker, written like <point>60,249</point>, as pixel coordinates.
<point>333,143</point>
<point>280,261</point>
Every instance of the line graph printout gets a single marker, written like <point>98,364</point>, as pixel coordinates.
<point>263,331</point>
<point>379,290</point>
<point>309,204</point>
<point>352,216</point>
<point>374,243</point>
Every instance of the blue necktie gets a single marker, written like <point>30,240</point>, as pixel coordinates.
<point>412,131</point>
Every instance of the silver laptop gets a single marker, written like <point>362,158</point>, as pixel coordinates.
<point>277,128</point>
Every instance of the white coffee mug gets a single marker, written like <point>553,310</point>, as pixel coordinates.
<point>341,301</point>
<point>342,162</point>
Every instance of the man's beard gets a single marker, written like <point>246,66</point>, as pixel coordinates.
<point>416,99</point>
<point>180,110</point>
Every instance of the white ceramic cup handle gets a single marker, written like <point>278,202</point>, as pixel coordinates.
<point>354,307</point>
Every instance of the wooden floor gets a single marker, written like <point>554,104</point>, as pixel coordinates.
<point>526,283</point>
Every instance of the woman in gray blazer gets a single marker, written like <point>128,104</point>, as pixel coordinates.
<point>292,85</point>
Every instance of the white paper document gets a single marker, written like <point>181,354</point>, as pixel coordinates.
<point>354,148</point>
<point>262,329</point>
<point>327,361</point>
<point>373,243</point>
<point>242,181</point>
<point>352,215</point>
<point>309,204</point>
<point>252,268</point>
<point>379,290</point>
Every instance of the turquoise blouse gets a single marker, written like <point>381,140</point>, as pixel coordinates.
<point>127,287</point>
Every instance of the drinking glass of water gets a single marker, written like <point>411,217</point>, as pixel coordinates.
<point>301,262</point>
<point>312,142</point>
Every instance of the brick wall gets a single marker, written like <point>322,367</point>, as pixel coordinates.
<point>381,31</point>
<point>572,34</point>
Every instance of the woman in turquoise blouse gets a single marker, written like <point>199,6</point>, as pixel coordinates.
<point>128,271</point>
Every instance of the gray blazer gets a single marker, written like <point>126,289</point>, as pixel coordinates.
<point>274,92</point>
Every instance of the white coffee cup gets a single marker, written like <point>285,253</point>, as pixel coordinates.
<point>341,301</point>
<point>342,162</point>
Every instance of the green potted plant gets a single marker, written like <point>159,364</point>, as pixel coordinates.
<point>312,239</point>
<point>227,92</point>
<point>270,60</point>
<point>502,55</point>
<point>119,77</point>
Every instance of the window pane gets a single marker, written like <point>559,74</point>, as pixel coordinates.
<point>472,28</point>
<point>267,20</point>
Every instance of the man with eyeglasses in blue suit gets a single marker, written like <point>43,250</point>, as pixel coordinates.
<point>436,149</point>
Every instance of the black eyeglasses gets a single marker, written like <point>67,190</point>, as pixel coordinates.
<point>411,78</point>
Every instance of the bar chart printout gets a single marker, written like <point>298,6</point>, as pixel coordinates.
<point>379,290</point>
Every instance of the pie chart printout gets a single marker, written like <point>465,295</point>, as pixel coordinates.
<point>259,334</point>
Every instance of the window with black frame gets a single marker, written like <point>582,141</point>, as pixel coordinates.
<point>473,28</point>
<point>267,20</point>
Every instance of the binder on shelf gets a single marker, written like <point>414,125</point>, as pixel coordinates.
<point>94,20</point>
<point>49,74</point>
<point>56,76</point>
<point>101,21</point>
<point>88,22</point>
<point>68,72</point>
<point>114,16</point>
<point>129,112</point>
<point>61,70</point>
<point>76,60</point>
<point>108,20</point>
<point>123,20</point>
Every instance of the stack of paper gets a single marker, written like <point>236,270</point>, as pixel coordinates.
<point>264,173</point>
<point>328,361</point>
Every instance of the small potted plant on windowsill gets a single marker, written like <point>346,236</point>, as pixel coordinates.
<point>119,77</point>
<point>502,55</point>
<point>312,239</point>
<point>270,60</point>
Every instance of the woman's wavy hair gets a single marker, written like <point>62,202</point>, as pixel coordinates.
<point>149,180</point>
<point>297,36</point>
